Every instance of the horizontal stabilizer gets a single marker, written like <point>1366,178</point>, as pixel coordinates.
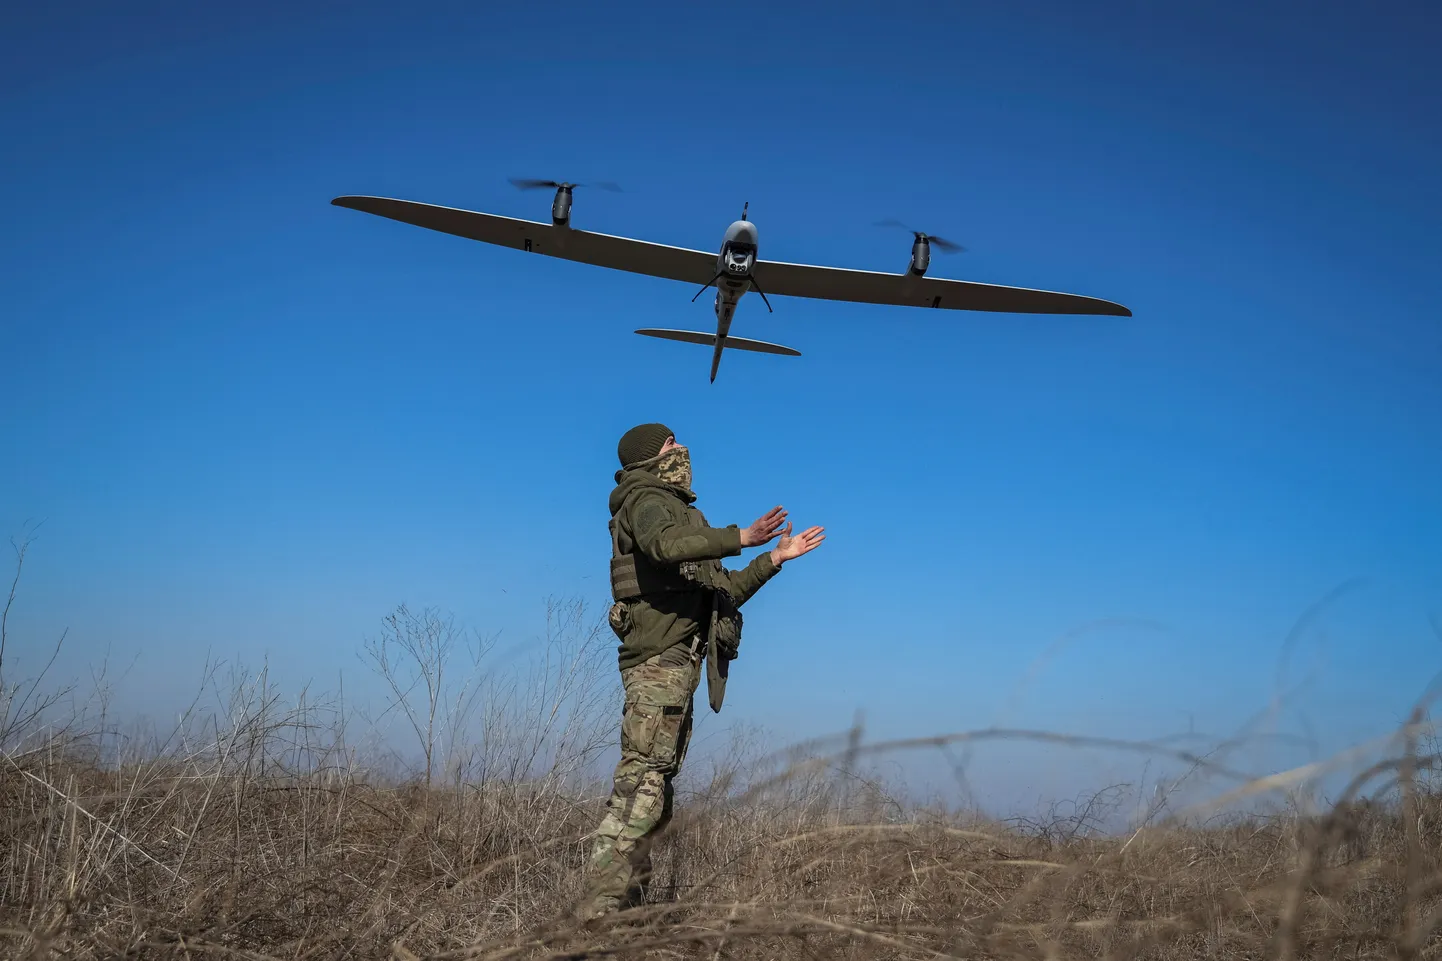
<point>709,340</point>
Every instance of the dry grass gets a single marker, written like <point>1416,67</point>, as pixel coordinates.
<point>243,857</point>
<point>256,831</point>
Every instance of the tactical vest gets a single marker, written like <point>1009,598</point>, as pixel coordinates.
<point>634,574</point>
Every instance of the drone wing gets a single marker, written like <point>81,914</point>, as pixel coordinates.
<point>906,290</point>
<point>603,250</point>
<point>699,267</point>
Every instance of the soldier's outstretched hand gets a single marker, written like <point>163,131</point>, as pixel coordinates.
<point>790,548</point>
<point>763,528</point>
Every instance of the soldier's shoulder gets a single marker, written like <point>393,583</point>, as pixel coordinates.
<point>654,508</point>
<point>646,498</point>
<point>660,496</point>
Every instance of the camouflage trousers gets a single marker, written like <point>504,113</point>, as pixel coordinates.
<point>655,733</point>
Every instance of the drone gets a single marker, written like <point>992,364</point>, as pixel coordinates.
<point>734,270</point>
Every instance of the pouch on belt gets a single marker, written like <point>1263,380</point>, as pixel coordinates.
<point>723,643</point>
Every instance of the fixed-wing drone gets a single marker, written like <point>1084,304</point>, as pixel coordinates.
<point>734,270</point>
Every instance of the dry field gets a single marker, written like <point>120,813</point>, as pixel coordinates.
<point>264,827</point>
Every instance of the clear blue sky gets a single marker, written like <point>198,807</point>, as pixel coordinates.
<point>254,422</point>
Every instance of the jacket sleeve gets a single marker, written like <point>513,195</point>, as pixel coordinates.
<point>747,581</point>
<point>665,540</point>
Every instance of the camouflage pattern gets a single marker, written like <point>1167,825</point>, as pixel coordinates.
<point>674,467</point>
<point>655,733</point>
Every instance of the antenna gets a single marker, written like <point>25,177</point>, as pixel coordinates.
<point>744,207</point>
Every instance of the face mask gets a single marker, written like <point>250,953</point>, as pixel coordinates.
<point>674,467</point>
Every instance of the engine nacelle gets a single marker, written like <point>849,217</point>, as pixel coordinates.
<point>561,208</point>
<point>920,257</point>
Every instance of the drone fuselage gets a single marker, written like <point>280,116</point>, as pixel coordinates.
<point>733,279</point>
<point>734,263</point>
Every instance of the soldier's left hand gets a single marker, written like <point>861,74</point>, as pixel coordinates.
<point>790,548</point>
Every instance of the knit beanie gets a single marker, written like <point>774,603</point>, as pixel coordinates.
<point>642,443</point>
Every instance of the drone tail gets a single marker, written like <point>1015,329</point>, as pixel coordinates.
<point>728,343</point>
<point>724,343</point>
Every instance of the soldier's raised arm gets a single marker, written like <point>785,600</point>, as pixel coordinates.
<point>665,540</point>
<point>744,583</point>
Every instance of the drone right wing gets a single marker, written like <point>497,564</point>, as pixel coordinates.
<point>906,290</point>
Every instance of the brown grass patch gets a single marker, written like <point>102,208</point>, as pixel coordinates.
<point>258,832</point>
<point>246,857</point>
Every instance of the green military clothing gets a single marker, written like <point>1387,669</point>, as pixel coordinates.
<point>657,522</point>
<point>666,575</point>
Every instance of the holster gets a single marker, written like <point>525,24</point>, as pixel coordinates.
<point>723,644</point>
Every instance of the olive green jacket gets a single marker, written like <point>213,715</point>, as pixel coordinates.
<point>657,520</point>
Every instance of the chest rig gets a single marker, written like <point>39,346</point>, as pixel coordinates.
<point>634,574</point>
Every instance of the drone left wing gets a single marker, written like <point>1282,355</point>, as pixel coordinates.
<point>907,290</point>
<point>603,250</point>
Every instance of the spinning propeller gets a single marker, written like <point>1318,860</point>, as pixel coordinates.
<point>932,239</point>
<point>525,184</point>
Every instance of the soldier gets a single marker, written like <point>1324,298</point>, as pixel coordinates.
<point>675,606</point>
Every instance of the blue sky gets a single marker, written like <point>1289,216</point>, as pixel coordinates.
<point>253,422</point>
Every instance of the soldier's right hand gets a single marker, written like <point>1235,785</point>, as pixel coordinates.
<point>764,528</point>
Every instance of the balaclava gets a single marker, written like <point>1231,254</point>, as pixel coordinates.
<point>673,467</point>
